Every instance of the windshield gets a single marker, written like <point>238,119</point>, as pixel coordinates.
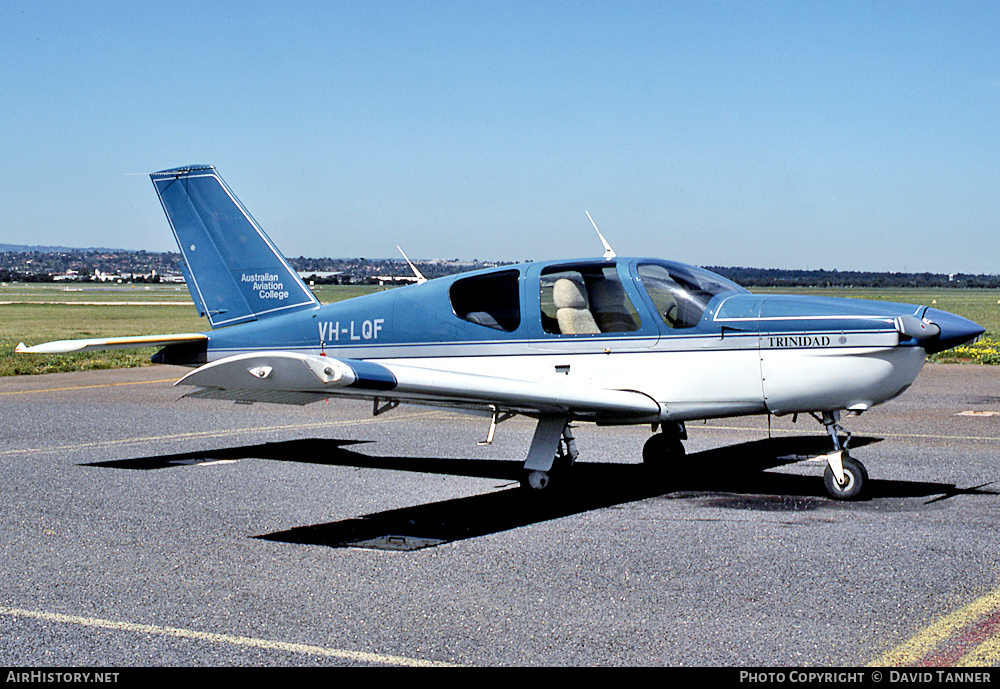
<point>681,293</point>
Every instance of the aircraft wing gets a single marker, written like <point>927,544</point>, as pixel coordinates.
<point>292,378</point>
<point>86,345</point>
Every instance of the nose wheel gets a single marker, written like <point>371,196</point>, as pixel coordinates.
<point>854,483</point>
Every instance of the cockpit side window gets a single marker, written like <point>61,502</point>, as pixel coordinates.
<point>492,300</point>
<point>584,300</point>
<point>681,294</point>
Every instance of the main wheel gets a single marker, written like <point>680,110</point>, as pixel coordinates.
<point>855,480</point>
<point>536,480</point>
<point>662,448</point>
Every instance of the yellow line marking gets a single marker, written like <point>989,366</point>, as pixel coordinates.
<point>923,436</point>
<point>931,436</point>
<point>305,649</point>
<point>213,434</point>
<point>925,641</point>
<point>88,387</point>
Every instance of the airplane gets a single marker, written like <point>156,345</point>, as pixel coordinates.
<point>609,341</point>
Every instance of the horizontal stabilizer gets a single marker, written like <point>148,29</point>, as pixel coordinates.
<point>300,378</point>
<point>86,345</point>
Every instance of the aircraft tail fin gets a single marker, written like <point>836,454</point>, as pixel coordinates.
<point>234,272</point>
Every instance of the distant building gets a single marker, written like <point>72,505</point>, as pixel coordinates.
<point>396,279</point>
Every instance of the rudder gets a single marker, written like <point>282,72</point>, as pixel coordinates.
<point>234,272</point>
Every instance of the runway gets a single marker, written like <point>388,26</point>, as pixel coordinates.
<point>142,529</point>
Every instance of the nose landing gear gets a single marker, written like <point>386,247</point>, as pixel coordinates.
<point>845,478</point>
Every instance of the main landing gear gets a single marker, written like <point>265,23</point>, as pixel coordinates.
<point>552,451</point>
<point>664,450</point>
<point>845,478</point>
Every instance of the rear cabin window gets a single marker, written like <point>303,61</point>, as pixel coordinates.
<point>491,300</point>
<point>585,300</point>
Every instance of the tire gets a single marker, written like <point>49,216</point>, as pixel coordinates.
<point>856,481</point>
<point>662,449</point>
<point>536,481</point>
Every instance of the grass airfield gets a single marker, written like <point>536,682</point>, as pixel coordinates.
<point>41,312</point>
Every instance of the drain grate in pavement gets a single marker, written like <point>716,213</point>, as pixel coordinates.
<point>401,543</point>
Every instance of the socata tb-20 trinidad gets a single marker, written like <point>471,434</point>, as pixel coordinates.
<point>609,341</point>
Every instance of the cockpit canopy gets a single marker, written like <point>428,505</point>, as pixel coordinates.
<point>589,297</point>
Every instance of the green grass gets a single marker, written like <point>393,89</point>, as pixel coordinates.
<point>32,321</point>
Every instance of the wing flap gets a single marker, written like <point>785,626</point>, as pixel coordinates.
<point>268,376</point>
<point>86,345</point>
<point>272,396</point>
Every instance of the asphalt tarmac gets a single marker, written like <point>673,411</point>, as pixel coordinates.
<point>140,529</point>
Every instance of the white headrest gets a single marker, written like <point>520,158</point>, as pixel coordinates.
<point>569,294</point>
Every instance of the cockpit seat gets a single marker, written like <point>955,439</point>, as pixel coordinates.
<point>570,299</point>
<point>607,300</point>
<point>483,318</point>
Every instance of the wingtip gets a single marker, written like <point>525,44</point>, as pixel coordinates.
<point>21,347</point>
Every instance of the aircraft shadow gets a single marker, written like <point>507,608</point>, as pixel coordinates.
<point>732,476</point>
<point>308,451</point>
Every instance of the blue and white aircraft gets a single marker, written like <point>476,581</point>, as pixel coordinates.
<point>610,341</point>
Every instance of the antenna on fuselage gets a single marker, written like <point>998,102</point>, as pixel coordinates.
<point>609,253</point>
<point>420,277</point>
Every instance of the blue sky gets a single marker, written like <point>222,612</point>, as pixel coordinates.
<point>850,135</point>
